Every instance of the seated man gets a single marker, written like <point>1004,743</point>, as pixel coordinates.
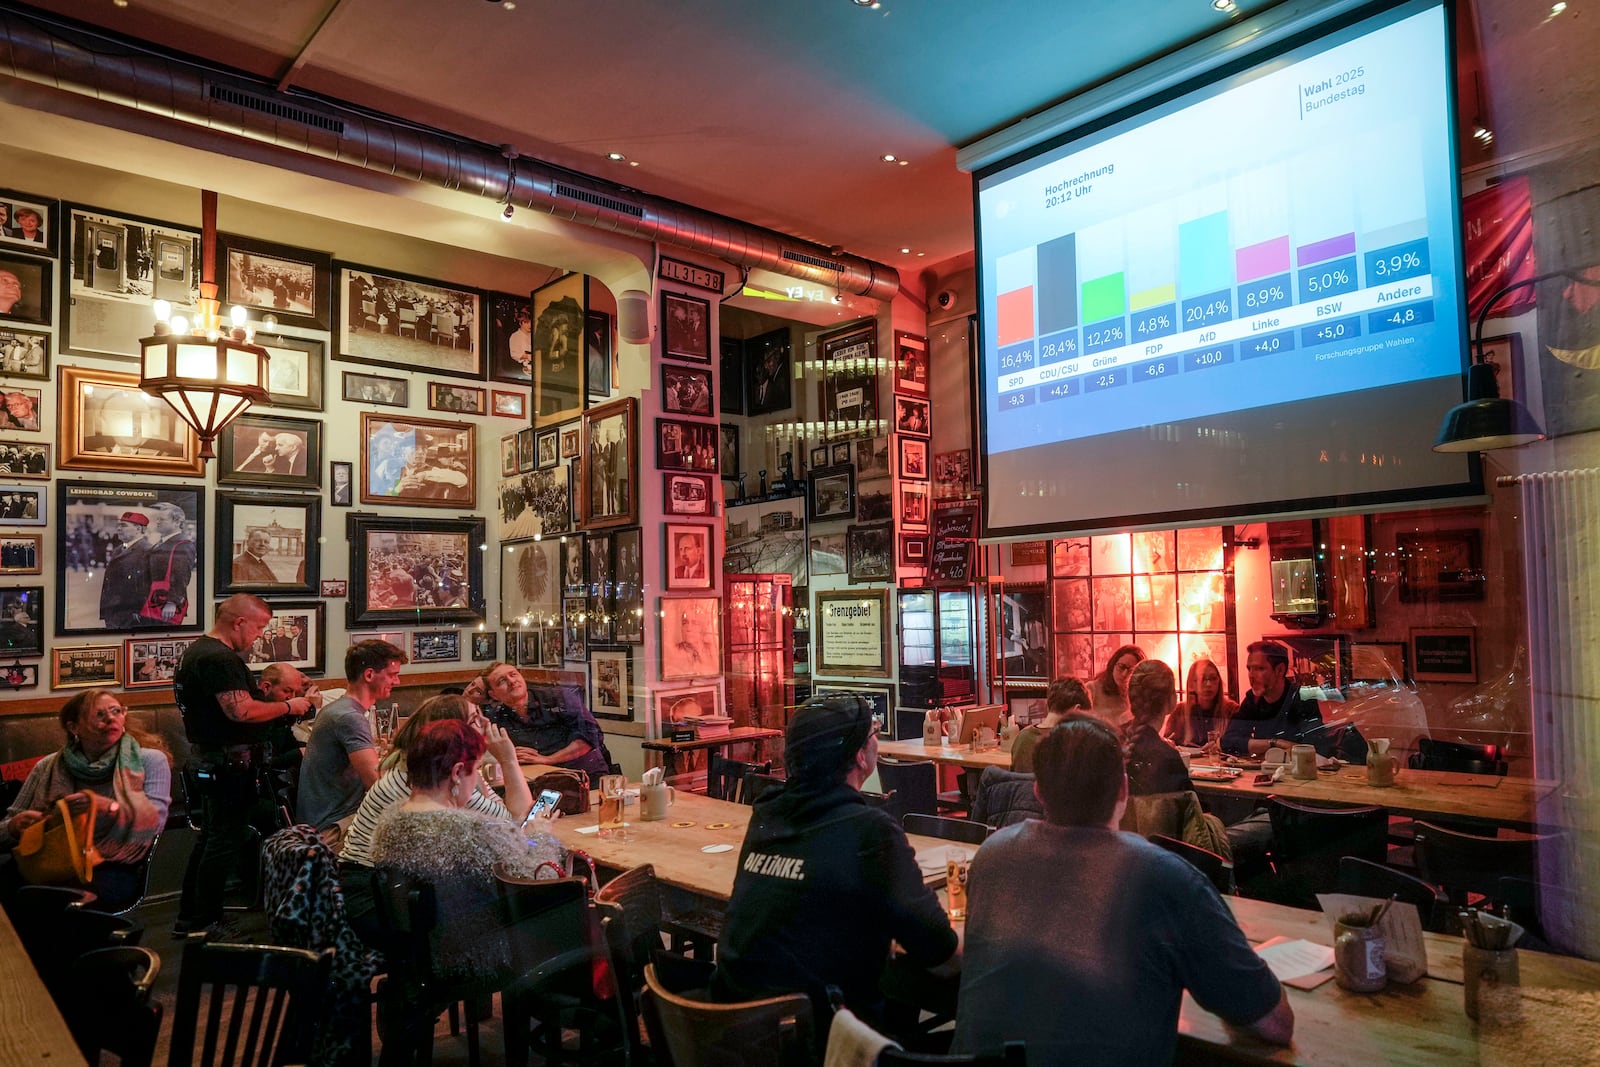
<point>1143,926</point>
<point>826,882</point>
<point>552,732</point>
<point>341,762</point>
<point>1273,711</point>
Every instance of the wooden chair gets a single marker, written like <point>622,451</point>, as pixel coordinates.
<point>408,322</point>
<point>1434,755</point>
<point>776,1032</point>
<point>725,778</point>
<point>111,1009</point>
<point>1218,870</point>
<point>1307,844</point>
<point>946,828</point>
<point>1464,865</point>
<point>758,785</point>
<point>369,314</point>
<point>1014,1054</point>
<point>247,1004</point>
<point>1367,879</point>
<point>637,892</point>
<point>444,327</point>
<point>913,783</point>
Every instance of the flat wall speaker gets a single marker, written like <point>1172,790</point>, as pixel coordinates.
<point>633,316</point>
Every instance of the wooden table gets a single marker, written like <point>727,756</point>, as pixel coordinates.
<point>739,735</point>
<point>32,1031</point>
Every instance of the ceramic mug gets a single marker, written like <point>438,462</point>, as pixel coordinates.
<point>1304,758</point>
<point>654,800</point>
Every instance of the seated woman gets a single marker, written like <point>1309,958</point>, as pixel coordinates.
<point>1153,765</point>
<point>555,735</point>
<point>1066,696</point>
<point>104,756</point>
<point>1206,709</point>
<point>433,836</point>
<point>394,786</point>
<point>1109,688</point>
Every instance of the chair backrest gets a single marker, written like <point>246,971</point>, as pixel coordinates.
<point>1466,863</point>
<point>1217,869</point>
<point>110,1008</point>
<point>758,785</point>
<point>1307,844</point>
<point>251,1005</point>
<point>1005,797</point>
<point>548,924</point>
<point>776,1031</point>
<point>1434,755</point>
<point>914,783</point>
<point>1364,878</point>
<point>629,979</point>
<point>1013,1054</point>
<point>881,801</point>
<point>36,911</point>
<point>725,778</point>
<point>947,828</point>
<point>635,897</point>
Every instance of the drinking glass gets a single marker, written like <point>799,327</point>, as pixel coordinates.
<point>613,795</point>
<point>956,863</point>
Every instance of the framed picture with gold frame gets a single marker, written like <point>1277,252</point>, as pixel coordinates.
<point>85,666</point>
<point>424,463</point>
<point>852,631</point>
<point>108,424</point>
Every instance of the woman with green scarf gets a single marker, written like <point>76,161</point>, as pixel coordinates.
<point>102,756</point>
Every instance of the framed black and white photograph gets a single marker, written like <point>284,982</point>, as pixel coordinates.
<point>913,458</point>
<point>728,454</point>
<point>914,506</point>
<point>24,459</point>
<point>268,544</point>
<point>107,423</point>
<point>574,637</point>
<point>29,223</point>
<point>24,353</point>
<point>911,416</point>
<point>530,581</point>
<point>296,635</point>
<point>686,327</point>
<point>910,363</point>
<point>376,389</point>
<point>573,563</point>
<point>571,440</point>
<point>872,458</point>
<point>424,463</point>
<point>687,557</point>
<point>508,456</point>
<point>769,371</point>
<point>687,705</point>
<point>527,454</point>
<point>537,503</point>
<point>295,284</point>
<point>827,553</point>
<point>485,647</point>
<point>294,376</point>
<point>457,399</point>
<point>559,360</point>
<point>833,493</point>
<point>686,494</point>
<point>599,618</point>
<point>730,377</point>
<point>550,645</point>
<point>610,465</point>
<point>686,446</point>
<point>510,405</point>
<point>333,588</point>
<point>407,322</point>
<point>546,448</point>
<point>341,478</point>
<point>128,557</point>
<point>407,570</point>
<point>875,501</point>
<point>510,337</point>
<point>839,453</point>
<point>611,683</point>
<point>21,553</point>
<point>685,390</point>
<point>849,382</point>
<point>21,620</point>
<point>270,450</point>
<point>25,288</point>
<point>914,550</point>
<point>152,661</point>
<point>24,505</point>
<point>628,587</point>
<point>880,697</point>
<point>869,553</point>
<point>817,458</point>
<point>435,646</point>
<point>528,650</point>
<point>120,265</point>
<point>597,352</point>
<point>691,637</point>
<point>1022,630</point>
<point>85,666</point>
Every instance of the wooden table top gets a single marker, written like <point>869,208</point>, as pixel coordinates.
<point>737,735</point>
<point>31,1029</point>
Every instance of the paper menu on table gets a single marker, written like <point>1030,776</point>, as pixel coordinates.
<point>1297,961</point>
<point>1405,955</point>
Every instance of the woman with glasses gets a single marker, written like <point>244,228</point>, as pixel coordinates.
<point>1110,687</point>
<point>121,765</point>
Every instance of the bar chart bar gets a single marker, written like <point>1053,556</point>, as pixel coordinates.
<point>1058,284</point>
<point>1205,255</point>
<point>1261,259</point>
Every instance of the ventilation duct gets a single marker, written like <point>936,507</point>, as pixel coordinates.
<point>119,75</point>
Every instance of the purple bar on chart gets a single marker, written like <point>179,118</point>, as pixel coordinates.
<point>1259,260</point>
<point>1332,248</point>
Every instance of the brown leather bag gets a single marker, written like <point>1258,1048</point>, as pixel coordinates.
<point>573,787</point>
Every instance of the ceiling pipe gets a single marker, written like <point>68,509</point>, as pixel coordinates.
<point>121,74</point>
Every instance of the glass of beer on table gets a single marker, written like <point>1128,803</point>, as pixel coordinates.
<point>613,792</point>
<point>956,863</point>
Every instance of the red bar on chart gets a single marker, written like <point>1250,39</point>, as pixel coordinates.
<point>1259,260</point>
<point>1014,316</point>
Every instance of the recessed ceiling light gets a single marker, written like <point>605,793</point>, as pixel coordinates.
<point>510,5</point>
<point>866,3</point>
<point>888,157</point>
<point>903,162</point>
<point>633,162</point>
<point>615,157</point>
<point>905,251</point>
<point>119,3</point>
<point>1222,5</point>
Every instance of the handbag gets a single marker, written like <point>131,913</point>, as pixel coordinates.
<point>59,849</point>
<point>160,593</point>
<point>573,787</point>
<point>600,977</point>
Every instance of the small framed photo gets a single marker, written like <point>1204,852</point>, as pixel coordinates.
<point>457,399</point>
<point>691,637</point>
<point>341,481</point>
<point>913,459</point>
<point>611,683</point>
<point>333,588</point>
<point>510,339</point>
<point>29,223</point>
<point>435,646</point>
<point>628,602</point>
<point>685,390</point>
<point>914,550</point>
<point>839,453</point>
<point>295,284</point>
<point>686,494</point>
<point>911,416</point>
<point>85,666</point>
<point>528,649</point>
<point>511,405</point>
<point>376,389</point>
<point>24,459</point>
<point>396,638</point>
<point>24,505</point>
<point>572,560</point>
<point>152,663</point>
<point>872,458</point>
<point>688,556</point>
<point>910,364</point>
<point>571,441</point>
<point>269,544</point>
<point>21,620</point>
<point>914,506</point>
<point>109,424</point>
<point>597,351</point>
<point>26,288</point>
<point>527,458</point>
<point>833,493</point>
<point>21,553</point>
<point>270,450</point>
<point>1504,354</point>
<point>827,553</point>
<point>817,458</point>
<point>508,456</point>
<point>686,327</point>
<point>296,634</point>
<point>19,676</point>
<point>869,553</point>
<point>546,448</point>
<point>24,353</point>
<point>407,322</point>
<point>574,636</point>
<point>294,376</point>
<point>875,501</point>
<point>422,463</point>
<point>550,646</point>
<point>485,646</point>
<point>686,446</point>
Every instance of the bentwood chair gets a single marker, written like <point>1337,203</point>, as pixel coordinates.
<point>946,828</point>
<point>1364,878</point>
<point>914,784</point>
<point>247,1004</point>
<point>638,893</point>
<point>726,778</point>
<point>1307,844</point>
<point>1467,865</point>
<point>1217,870</point>
<point>776,1032</point>
<point>111,1008</point>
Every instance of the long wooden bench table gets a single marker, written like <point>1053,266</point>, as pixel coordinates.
<point>32,1031</point>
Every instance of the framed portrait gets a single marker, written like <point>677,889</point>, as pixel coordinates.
<point>730,370</point>
<point>29,223</point>
<point>85,666</point>
<point>571,441</point>
<point>574,638</point>
<point>24,353</point>
<point>407,322</point>
<point>952,473</point>
<point>1504,354</point>
<point>24,459</point>
<point>341,481</point>
<point>376,389</point>
<point>1021,631</point>
<point>833,493</point>
<point>573,563</point>
<point>913,458</point>
<point>295,284</point>
<point>485,647</point>
<point>875,501</point>
<point>611,683</point>
<point>270,450</point>
<point>685,390</point>
<point>108,424</point>
<point>19,676</point>
<point>510,405</point>
<point>827,553</point>
<point>597,353</point>
<point>457,399</point>
<point>538,503</point>
<point>1444,654</point>
<point>120,266</point>
<point>510,337</point>
<point>154,539</point>
<point>611,464</point>
<point>296,635</point>
<point>911,416</point>
<point>599,619</point>
<point>628,586</point>
<point>24,505</point>
<point>914,506</point>
<point>872,458</point>
<point>728,452</point>
<point>294,375</point>
<point>435,646</point>
<point>423,463</point>
<point>268,544</point>
<point>152,662</point>
<point>686,446</point>
<point>839,453</point>
<point>849,384</point>
<point>21,553</point>
<point>910,364</point>
<point>687,705</point>
<point>508,456</point>
<point>1441,565</point>
<point>686,494</point>
<point>686,556</point>
<point>691,637</point>
<point>546,448</point>
<point>914,550</point>
<point>333,588</point>
<point>686,327</point>
<point>559,363</point>
<point>413,570</point>
<point>525,647</point>
<point>21,620</point>
<point>817,458</point>
<point>530,581</point>
<point>869,553</point>
<point>527,454</point>
<point>550,646</point>
<point>852,632</point>
<point>29,299</point>
<point>597,567</point>
<point>769,370</point>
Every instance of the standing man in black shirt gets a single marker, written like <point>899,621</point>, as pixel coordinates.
<point>226,722</point>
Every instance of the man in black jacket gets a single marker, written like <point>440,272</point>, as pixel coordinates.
<point>1273,710</point>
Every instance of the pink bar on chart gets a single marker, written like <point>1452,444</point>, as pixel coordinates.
<point>1260,260</point>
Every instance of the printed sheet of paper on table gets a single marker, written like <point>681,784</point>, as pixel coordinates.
<point>1296,961</point>
<point>1404,952</point>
